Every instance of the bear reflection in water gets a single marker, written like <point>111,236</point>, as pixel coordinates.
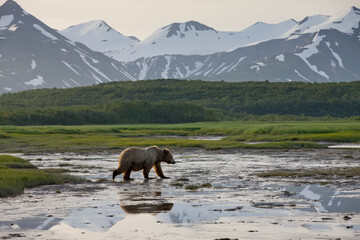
<point>145,202</point>
<point>151,208</point>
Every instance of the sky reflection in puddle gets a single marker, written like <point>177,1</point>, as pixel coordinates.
<point>328,199</point>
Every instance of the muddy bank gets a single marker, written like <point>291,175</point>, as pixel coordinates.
<point>229,200</point>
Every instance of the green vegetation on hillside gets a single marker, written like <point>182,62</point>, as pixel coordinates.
<point>175,101</point>
<point>116,112</point>
<point>16,174</point>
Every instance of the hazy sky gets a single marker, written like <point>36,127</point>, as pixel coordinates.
<point>142,17</point>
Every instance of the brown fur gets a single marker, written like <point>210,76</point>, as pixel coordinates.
<point>136,159</point>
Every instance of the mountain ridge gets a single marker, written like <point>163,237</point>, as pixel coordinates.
<point>195,38</point>
<point>318,48</point>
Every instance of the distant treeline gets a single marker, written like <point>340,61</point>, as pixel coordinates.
<point>117,112</point>
<point>173,101</point>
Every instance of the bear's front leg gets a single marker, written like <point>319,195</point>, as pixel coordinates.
<point>159,171</point>
<point>127,175</point>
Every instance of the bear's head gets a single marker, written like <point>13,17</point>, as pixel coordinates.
<point>167,156</point>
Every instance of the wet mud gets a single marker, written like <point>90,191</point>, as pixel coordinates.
<point>210,195</point>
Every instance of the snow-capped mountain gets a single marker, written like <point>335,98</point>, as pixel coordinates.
<point>326,49</point>
<point>33,55</point>
<point>189,38</point>
<point>324,56</point>
<point>98,36</point>
<point>194,38</point>
<point>318,48</point>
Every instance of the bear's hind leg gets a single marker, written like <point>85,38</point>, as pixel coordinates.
<point>123,167</point>
<point>146,172</point>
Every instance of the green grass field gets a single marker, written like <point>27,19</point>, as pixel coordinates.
<point>16,174</point>
<point>278,135</point>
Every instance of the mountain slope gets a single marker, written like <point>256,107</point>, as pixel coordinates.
<point>33,55</point>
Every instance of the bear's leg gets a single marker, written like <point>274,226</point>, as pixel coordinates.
<point>159,171</point>
<point>127,175</point>
<point>146,172</point>
<point>123,167</point>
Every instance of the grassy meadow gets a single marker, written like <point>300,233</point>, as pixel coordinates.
<point>16,174</point>
<point>262,135</point>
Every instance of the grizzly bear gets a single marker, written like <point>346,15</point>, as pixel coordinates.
<point>136,159</point>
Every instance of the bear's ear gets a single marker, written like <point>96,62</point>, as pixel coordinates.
<point>165,151</point>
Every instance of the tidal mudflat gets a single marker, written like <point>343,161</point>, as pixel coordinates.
<point>210,195</point>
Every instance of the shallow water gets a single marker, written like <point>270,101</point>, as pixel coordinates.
<point>237,204</point>
<point>345,146</point>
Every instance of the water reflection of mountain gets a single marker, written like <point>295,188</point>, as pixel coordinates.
<point>191,213</point>
<point>328,199</point>
<point>98,219</point>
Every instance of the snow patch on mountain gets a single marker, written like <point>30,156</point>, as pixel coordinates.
<point>66,84</point>
<point>7,89</point>
<point>197,66</point>
<point>44,32</point>
<point>33,65</point>
<point>84,58</point>
<point>6,20</point>
<point>335,55</point>
<point>310,51</point>
<point>143,69</point>
<point>164,74</point>
<point>123,72</point>
<point>233,67</point>
<point>71,68</point>
<point>297,72</point>
<point>39,80</point>
<point>280,58</point>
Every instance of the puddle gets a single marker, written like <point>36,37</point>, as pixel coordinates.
<point>345,146</point>
<point>207,137</point>
<point>213,138</point>
<point>233,202</point>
